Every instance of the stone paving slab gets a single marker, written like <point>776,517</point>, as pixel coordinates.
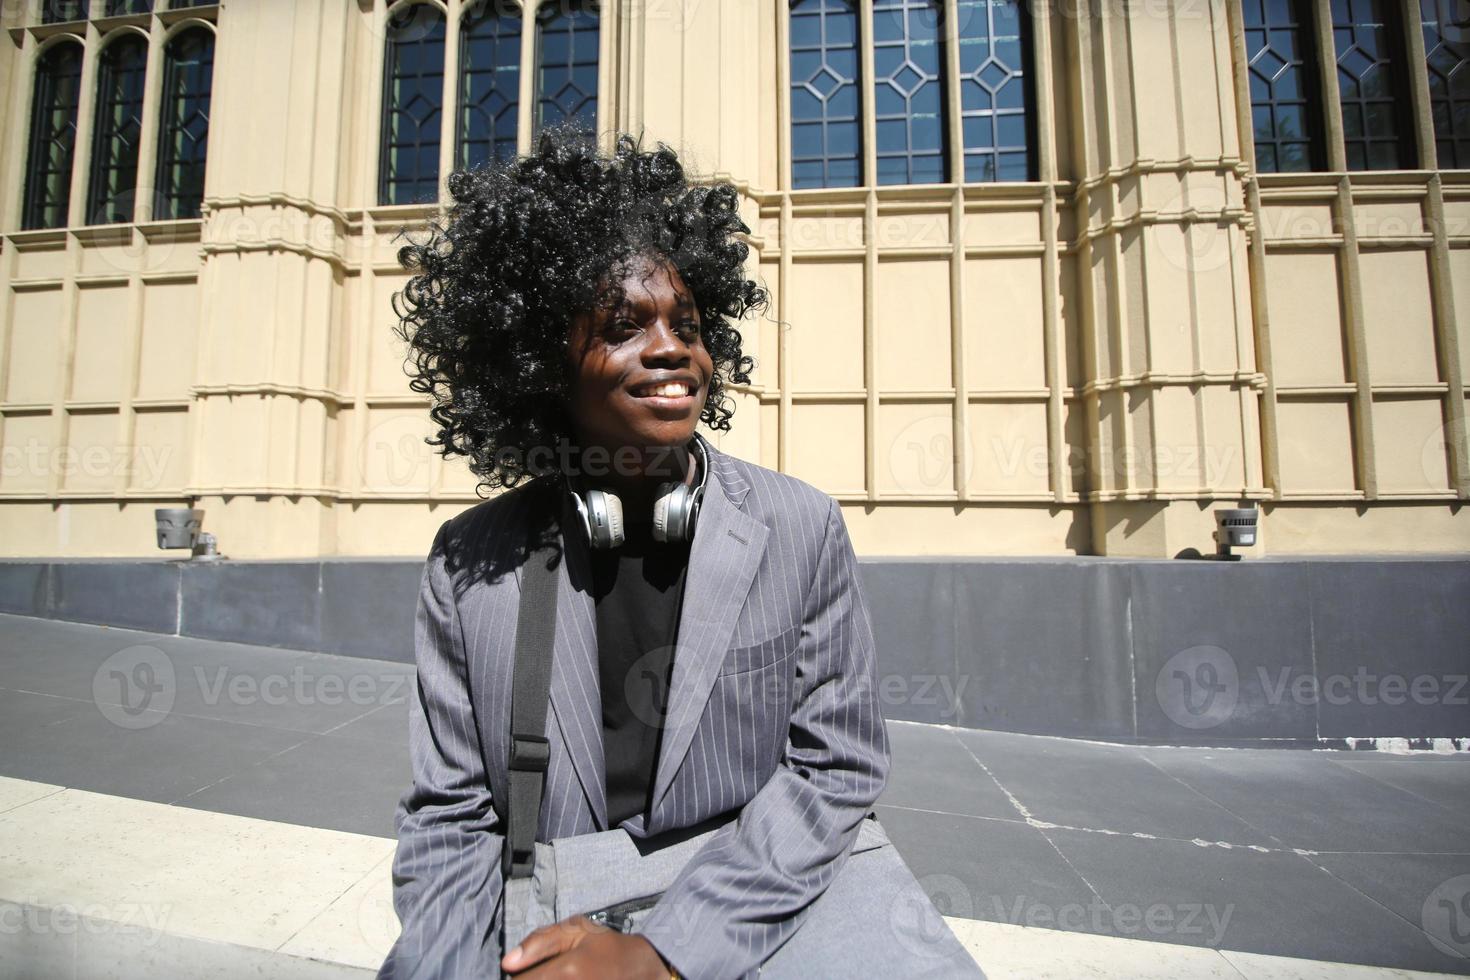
<point>1312,855</point>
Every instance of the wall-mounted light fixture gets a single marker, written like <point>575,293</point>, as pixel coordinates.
<point>1235,527</point>
<point>178,527</point>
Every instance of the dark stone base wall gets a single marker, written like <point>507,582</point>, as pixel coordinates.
<point>1285,651</point>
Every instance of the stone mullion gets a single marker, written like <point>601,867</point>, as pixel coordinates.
<point>1114,327</point>
<point>1244,273</point>
<point>1440,283</point>
<point>81,155</point>
<point>1448,341</point>
<point>954,133</point>
<point>1349,268</point>
<point>148,130</point>
<point>526,111</point>
<point>869,179</point>
<point>355,335</point>
<point>1418,74</point>
<point>1053,346</point>
<point>449,111</point>
<point>1084,127</point>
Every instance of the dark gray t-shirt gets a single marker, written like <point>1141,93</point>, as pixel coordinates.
<point>638,589</point>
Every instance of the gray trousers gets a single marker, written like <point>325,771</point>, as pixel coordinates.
<point>874,919</point>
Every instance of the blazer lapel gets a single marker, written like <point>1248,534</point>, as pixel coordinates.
<point>727,550</point>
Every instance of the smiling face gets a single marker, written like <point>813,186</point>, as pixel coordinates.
<point>640,371</point>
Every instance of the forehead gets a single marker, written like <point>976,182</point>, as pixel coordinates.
<point>646,281</point>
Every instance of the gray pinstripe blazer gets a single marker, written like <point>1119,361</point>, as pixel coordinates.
<point>771,709</point>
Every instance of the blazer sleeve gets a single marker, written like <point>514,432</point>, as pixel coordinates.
<point>746,891</point>
<point>446,870</point>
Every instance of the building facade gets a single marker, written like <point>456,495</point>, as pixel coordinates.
<point>1048,278</point>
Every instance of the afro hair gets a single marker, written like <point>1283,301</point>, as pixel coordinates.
<point>525,246</point>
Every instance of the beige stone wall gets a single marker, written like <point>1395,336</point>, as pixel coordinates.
<point>1087,364</point>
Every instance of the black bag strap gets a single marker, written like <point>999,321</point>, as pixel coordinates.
<point>530,695</point>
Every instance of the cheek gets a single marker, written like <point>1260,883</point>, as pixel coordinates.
<point>596,374</point>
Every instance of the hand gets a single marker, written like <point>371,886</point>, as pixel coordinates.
<point>579,947</point>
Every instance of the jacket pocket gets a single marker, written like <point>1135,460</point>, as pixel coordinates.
<point>767,653</point>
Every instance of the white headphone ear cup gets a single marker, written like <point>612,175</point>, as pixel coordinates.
<point>696,499</point>
<point>600,519</point>
<point>661,502</point>
<point>581,506</point>
<point>614,505</point>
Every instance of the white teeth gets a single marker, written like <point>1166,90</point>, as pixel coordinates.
<point>671,390</point>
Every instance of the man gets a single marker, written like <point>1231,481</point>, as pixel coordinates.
<point>575,300</point>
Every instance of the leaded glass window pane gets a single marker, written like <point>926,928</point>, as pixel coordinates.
<point>995,92</point>
<point>489,82</point>
<point>1376,118</point>
<point>566,62</point>
<point>1447,56</point>
<point>908,92</point>
<point>826,128</point>
<point>114,178</point>
<point>413,96</point>
<point>183,133</point>
<point>116,8</point>
<point>53,136</point>
<point>1286,107</point>
<point>60,11</point>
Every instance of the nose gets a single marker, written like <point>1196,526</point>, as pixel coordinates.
<point>665,344</point>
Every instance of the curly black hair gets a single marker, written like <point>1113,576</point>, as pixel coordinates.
<point>521,251</point>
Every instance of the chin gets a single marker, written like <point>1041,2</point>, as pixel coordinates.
<point>668,436</point>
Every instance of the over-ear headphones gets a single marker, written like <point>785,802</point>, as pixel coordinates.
<point>675,508</point>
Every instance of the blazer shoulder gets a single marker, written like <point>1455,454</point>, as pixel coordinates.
<point>494,511</point>
<point>780,499</point>
<point>483,536</point>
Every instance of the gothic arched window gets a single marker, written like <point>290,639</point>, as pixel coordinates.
<point>183,131</point>
<point>826,121</point>
<point>566,62</point>
<point>53,136</point>
<point>119,124</point>
<point>413,101</point>
<point>489,82</point>
<point>908,91</point>
<point>997,113</point>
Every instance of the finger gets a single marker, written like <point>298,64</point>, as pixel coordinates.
<point>539,945</point>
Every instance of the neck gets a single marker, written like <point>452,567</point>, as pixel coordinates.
<point>635,478</point>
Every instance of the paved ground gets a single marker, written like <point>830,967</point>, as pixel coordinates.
<point>1359,858</point>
